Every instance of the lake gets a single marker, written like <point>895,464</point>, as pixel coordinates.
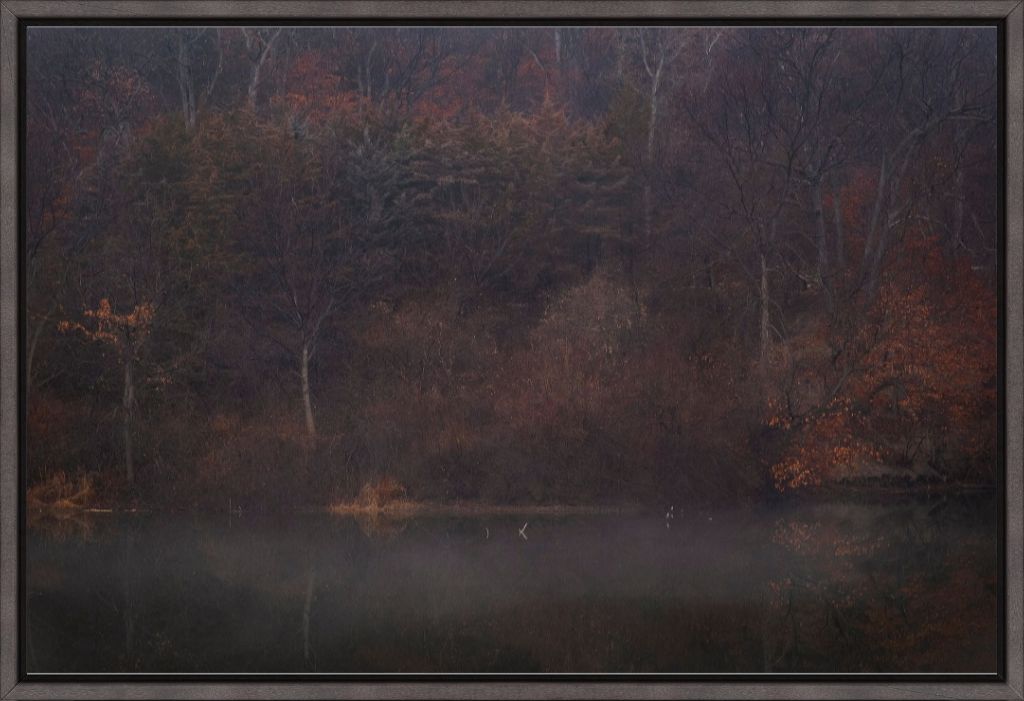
<point>907,586</point>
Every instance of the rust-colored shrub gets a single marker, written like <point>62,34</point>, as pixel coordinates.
<point>61,492</point>
<point>377,495</point>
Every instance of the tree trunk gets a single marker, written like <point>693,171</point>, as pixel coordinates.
<point>186,82</point>
<point>651,124</point>
<point>882,223</point>
<point>257,70</point>
<point>821,241</point>
<point>876,214</point>
<point>307,402</point>
<point>37,333</point>
<point>820,237</point>
<point>216,71</point>
<point>648,226</point>
<point>31,352</point>
<point>958,213</point>
<point>765,325</point>
<point>128,410</point>
<point>620,55</point>
<point>956,239</point>
<point>840,244</point>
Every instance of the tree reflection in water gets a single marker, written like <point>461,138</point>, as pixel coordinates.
<point>907,589</point>
<point>825,587</point>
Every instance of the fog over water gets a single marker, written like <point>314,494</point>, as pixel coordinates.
<point>821,588</point>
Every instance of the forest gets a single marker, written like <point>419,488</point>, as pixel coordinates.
<point>281,267</point>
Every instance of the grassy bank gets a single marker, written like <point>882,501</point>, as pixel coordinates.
<point>408,509</point>
<point>63,496</point>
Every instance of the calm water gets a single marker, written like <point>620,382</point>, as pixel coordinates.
<point>823,587</point>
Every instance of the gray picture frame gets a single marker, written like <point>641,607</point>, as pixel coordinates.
<point>14,12</point>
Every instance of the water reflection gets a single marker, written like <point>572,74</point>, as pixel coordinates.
<point>828,587</point>
<point>901,587</point>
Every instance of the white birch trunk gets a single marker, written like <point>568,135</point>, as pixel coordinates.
<point>765,324</point>
<point>307,401</point>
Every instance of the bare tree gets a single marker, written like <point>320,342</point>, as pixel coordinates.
<point>734,123</point>
<point>320,225</point>
<point>923,84</point>
<point>297,289</point>
<point>658,51</point>
<point>259,44</point>
<point>187,73</point>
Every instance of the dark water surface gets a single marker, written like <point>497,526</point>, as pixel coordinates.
<point>825,587</point>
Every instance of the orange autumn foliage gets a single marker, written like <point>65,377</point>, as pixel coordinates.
<point>918,377</point>
<point>123,332</point>
<point>316,94</point>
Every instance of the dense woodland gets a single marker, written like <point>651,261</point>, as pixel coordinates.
<point>266,266</point>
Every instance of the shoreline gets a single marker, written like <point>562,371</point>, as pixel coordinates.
<point>409,508</point>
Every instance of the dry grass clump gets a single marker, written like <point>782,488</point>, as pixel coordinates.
<point>385,496</point>
<point>61,492</point>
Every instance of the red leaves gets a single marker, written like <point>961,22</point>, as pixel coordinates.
<point>922,372</point>
<point>315,93</point>
<point>122,331</point>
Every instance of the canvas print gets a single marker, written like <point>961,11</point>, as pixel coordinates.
<point>511,349</point>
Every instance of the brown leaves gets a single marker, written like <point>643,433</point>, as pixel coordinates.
<point>924,361</point>
<point>122,331</point>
